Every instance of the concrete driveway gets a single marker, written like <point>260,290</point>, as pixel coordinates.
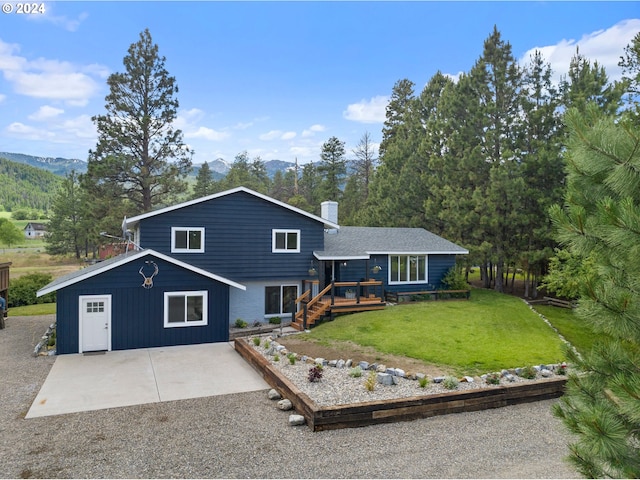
<point>82,382</point>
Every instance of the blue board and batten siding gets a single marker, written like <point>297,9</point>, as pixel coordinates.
<point>238,237</point>
<point>137,314</point>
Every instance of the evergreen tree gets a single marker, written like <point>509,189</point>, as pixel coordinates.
<point>66,230</point>
<point>138,150</point>
<point>247,173</point>
<point>204,182</point>
<point>601,220</point>
<point>309,189</point>
<point>630,64</point>
<point>332,168</point>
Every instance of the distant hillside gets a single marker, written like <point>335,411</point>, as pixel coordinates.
<point>57,166</point>
<point>24,186</point>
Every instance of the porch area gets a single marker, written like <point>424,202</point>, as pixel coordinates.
<point>337,297</point>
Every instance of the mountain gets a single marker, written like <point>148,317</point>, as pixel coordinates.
<point>24,186</point>
<point>57,166</point>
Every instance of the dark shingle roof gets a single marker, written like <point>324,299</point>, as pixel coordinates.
<point>360,242</point>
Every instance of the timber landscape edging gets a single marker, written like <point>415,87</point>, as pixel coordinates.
<point>403,409</point>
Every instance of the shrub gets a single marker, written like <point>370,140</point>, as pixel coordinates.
<point>276,358</point>
<point>422,382</point>
<point>267,344</point>
<point>370,382</point>
<point>23,290</point>
<point>562,369</point>
<point>256,341</point>
<point>275,320</point>
<point>355,372</point>
<point>528,372</point>
<point>240,323</point>
<point>292,358</point>
<point>315,373</point>
<point>493,378</point>
<point>450,383</point>
<point>455,279</point>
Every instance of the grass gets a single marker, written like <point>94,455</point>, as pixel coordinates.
<point>490,332</point>
<point>28,261</point>
<point>570,326</point>
<point>33,310</point>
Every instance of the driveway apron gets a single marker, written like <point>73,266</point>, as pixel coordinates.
<point>94,381</point>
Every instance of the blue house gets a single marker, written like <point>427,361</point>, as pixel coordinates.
<point>202,264</point>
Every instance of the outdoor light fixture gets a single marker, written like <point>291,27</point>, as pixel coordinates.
<point>312,270</point>
<point>376,269</point>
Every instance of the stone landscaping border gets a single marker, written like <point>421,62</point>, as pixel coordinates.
<point>370,413</point>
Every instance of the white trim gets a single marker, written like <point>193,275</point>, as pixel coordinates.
<point>274,233</point>
<point>195,293</point>
<point>281,286</point>
<point>324,221</point>
<point>129,257</point>
<point>107,307</point>
<point>174,249</point>
<point>421,252</point>
<point>341,257</point>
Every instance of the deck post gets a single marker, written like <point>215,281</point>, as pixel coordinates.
<point>358,287</point>
<point>333,292</point>
<point>304,316</point>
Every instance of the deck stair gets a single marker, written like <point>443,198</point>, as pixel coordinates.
<point>326,303</point>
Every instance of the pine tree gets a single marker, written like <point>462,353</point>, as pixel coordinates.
<point>332,168</point>
<point>204,182</point>
<point>601,220</point>
<point>65,231</point>
<point>138,150</point>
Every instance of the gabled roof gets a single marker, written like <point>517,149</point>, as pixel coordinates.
<point>357,243</point>
<point>134,220</point>
<point>114,262</point>
<point>36,226</point>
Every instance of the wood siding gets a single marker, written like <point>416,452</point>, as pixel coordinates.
<point>238,237</point>
<point>138,313</point>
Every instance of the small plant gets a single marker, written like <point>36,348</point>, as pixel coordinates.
<point>422,382</point>
<point>370,382</point>
<point>275,320</point>
<point>292,358</point>
<point>267,344</point>
<point>240,323</point>
<point>315,373</point>
<point>450,383</point>
<point>562,369</point>
<point>276,358</point>
<point>528,372</point>
<point>493,378</point>
<point>257,323</point>
<point>355,372</point>
<point>256,341</point>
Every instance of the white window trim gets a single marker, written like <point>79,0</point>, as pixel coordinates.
<point>285,231</point>
<point>187,229</point>
<point>281,285</point>
<point>409,282</point>
<point>196,293</point>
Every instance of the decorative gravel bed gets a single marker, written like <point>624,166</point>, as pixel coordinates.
<point>338,387</point>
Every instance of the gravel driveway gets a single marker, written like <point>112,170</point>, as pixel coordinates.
<point>245,435</point>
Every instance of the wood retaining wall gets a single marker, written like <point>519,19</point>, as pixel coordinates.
<point>370,413</point>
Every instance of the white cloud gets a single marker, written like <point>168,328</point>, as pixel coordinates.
<point>50,79</point>
<point>2,97</point>
<point>63,21</point>
<point>455,77</point>
<point>312,130</point>
<point>27,132</point>
<point>367,111</point>
<point>277,135</point>
<point>45,112</point>
<point>604,46</point>
<point>206,134</point>
<point>79,130</point>
<point>301,151</point>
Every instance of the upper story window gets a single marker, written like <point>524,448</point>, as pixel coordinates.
<point>187,240</point>
<point>407,268</point>
<point>285,241</point>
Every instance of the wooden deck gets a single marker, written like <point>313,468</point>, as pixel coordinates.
<point>328,302</point>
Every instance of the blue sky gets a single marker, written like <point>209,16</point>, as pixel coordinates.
<point>275,79</point>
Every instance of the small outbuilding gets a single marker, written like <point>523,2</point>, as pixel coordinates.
<point>35,230</point>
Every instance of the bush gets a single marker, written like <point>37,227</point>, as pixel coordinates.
<point>292,358</point>
<point>256,341</point>
<point>275,320</point>
<point>315,373</point>
<point>370,382</point>
<point>450,383</point>
<point>240,323</point>
<point>422,382</point>
<point>356,372</point>
<point>455,279</point>
<point>528,372</point>
<point>493,378</point>
<point>20,214</point>
<point>22,291</point>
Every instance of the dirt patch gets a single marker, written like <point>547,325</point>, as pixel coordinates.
<point>349,350</point>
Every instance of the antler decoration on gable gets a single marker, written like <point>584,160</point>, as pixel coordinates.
<point>148,281</point>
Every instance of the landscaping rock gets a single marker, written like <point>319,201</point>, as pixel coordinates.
<point>364,365</point>
<point>333,363</point>
<point>382,368</point>
<point>385,379</point>
<point>509,377</point>
<point>340,364</point>
<point>545,372</point>
<point>438,379</point>
<point>295,420</point>
<point>320,361</point>
<point>348,363</point>
<point>274,394</point>
<point>285,404</point>
<point>398,372</point>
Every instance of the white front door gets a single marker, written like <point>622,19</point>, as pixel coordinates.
<point>95,323</point>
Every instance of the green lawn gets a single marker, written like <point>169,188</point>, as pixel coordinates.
<point>490,332</point>
<point>31,310</point>
<point>570,326</point>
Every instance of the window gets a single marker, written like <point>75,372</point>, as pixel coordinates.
<point>278,299</point>
<point>187,240</point>
<point>185,309</point>
<point>407,268</point>
<point>95,307</point>
<point>285,241</point>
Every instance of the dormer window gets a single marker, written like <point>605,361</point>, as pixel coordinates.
<point>187,240</point>
<point>285,241</point>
